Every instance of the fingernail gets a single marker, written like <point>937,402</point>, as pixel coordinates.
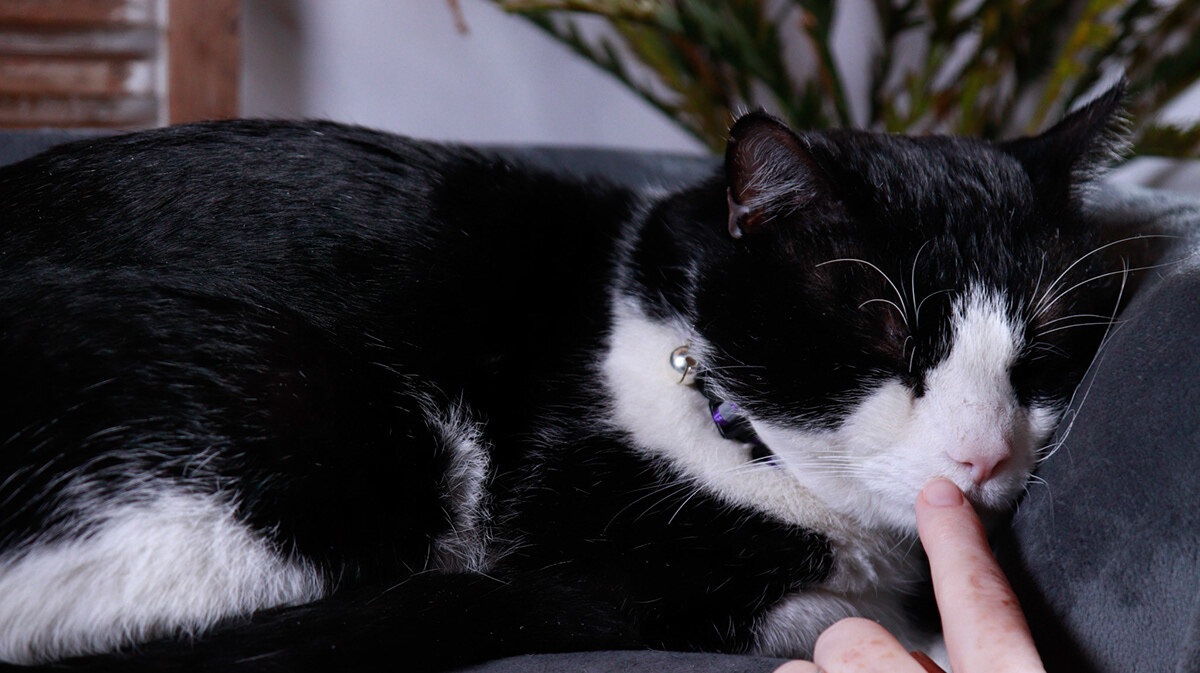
<point>942,493</point>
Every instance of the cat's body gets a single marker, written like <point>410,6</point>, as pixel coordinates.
<point>425,397</point>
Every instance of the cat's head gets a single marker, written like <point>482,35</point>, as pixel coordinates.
<point>891,309</point>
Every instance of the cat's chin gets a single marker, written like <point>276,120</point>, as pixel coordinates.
<point>888,502</point>
<point>991,501</point>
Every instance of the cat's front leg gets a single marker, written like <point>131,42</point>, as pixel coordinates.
<point>791,628</point>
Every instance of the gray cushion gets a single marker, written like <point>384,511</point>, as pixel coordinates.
<point>1106,557</point>
<point>620,662</point>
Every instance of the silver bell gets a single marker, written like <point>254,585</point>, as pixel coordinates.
<point>684,364</point>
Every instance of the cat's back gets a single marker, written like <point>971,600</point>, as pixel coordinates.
<point>307,213</point>
<point>218,185</point>
<point>276,238</point>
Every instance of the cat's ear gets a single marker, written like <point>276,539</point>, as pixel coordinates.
<point>1078,149</point>
<point>770,171</point>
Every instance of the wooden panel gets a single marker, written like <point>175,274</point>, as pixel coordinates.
<point>28,76</point>
<point>128,43</point>
<point>37,111</point>
<point>102,62</point>
<point>81,63</point>
<point>80,13</point>
<point>204,59</point>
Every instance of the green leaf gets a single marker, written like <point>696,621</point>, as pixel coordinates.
<point>1180,142</point>
<point>699,60</point>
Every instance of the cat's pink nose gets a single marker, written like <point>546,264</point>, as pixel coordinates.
<point>983,461</point>
<point>983,469</point>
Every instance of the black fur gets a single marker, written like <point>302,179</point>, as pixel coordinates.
<point>286,300</point>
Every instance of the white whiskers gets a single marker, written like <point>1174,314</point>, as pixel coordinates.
<point>1097,361</point>
<point>902,307</point>
<point>1050,295</point>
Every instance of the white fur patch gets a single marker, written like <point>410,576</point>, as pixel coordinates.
<point>465,547</point>
<point>672,421</point>
<point>166,563</point>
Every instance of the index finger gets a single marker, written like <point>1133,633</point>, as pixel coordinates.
<point>981,619</point>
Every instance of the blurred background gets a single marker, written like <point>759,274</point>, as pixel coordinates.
<point>415,67</point>
<point>469,71</point>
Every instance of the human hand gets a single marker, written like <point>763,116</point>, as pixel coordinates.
<point>982,622</point>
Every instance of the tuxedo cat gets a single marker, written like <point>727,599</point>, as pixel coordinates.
<point>300,395</point>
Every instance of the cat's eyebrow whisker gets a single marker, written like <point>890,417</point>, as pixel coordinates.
<point>1043,333</point>
<point>1116,304</point>
<point>1040,305</point>
<point>1077,315</point>
<point>927,298</point>
<point>1042,345</point>
<point>1038,286</point>
<point>912,280</point>
<point>1125,271</point>
<point>1072,408</point>
<point>895,289</point>
<point>1109,331</point>
<point>890,303</point>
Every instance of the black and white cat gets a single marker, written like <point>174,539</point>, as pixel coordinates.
<point>301,395</point>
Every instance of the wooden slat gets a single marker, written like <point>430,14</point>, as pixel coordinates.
<point>111,43</point>
<point>26,76</point>
<point>77,13</point>
<point>127,112</point>
<point>204,62</point>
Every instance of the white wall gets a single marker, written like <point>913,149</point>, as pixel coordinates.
<point>401,65</point>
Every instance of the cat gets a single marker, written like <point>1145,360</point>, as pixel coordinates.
<point>299,395</point>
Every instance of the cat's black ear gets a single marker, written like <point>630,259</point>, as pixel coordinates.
<point>1077,149</point>
<point>769,171</point>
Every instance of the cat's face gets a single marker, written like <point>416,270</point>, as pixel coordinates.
<point>899,309</point>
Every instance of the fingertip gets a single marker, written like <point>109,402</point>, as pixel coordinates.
<point>942,493</point>
<point>944,515</point>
